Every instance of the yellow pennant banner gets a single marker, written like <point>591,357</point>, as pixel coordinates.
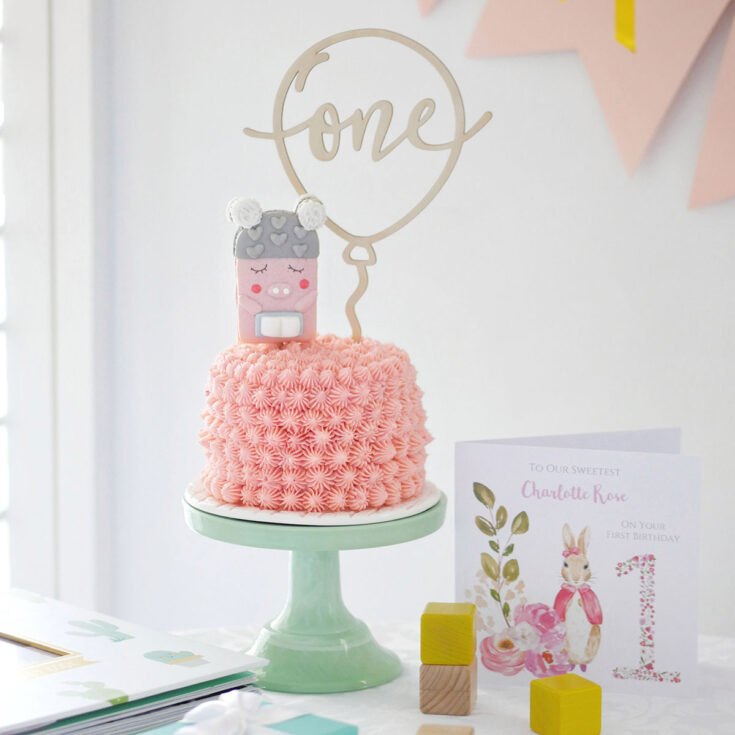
<point>625,23</point>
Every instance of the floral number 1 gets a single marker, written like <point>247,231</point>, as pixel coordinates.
<point>646,670</point>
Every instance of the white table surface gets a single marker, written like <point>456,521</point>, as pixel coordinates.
<point>393,709</point>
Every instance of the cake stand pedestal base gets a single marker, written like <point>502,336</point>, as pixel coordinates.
<point>316,645</point>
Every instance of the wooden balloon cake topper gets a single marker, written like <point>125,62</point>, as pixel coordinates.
<point>326,122</point>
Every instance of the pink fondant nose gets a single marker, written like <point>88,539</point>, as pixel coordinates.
<point>279,290</point>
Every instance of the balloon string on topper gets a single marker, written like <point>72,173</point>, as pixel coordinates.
<point>362,279</point>
<point>325,123</point>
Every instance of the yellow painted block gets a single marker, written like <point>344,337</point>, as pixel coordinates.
<point>566,705</point>
<point>448,634</point>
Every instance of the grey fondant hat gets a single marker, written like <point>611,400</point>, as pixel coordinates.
<point>279,235</point>
<point>276,233</point>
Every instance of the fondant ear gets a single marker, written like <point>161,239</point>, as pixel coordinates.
<point>311,212</point>
<point>244,212</point>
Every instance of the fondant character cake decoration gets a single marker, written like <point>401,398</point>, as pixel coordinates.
<point>276,269</point>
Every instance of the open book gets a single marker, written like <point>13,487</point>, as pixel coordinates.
<point>64,670</point>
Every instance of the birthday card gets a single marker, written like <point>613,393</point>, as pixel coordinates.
<point>581,554</point>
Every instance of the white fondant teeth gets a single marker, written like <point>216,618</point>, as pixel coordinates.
<point>300,232</point>
<point>278,221</point>
<point>254,233</point>
<point>278,238</point>
<point>300,249</point>
<point>254,251</point>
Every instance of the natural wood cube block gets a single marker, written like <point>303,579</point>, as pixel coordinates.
<point>448,690</point>
<point>566,705</point>
<point>446,730</point>
<point>448,634</point>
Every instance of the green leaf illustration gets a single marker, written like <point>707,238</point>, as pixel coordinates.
<point>501,517</point>
<point>511,570</point>
<point>494,545</point>
<point>485,526</point>
<point>520,523</point>
<point>506,610</point>
<point>484,494</point>
<point>495,595</point>
<point>509,549</point>
<point>490,566</point>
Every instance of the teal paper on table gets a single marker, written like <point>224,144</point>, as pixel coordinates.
<point>313,725</point>
<point>581,554</point>
<point>301,725</point>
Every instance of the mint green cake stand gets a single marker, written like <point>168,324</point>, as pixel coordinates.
<point>316,645</point>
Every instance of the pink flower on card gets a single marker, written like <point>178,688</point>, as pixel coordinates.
<point>548,663</point>
<point>545,621</point>
<point>500,653</point>
<point>525,636</point>
<point>546,655</point>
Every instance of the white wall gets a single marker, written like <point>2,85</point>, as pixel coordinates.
<point>574,298</point>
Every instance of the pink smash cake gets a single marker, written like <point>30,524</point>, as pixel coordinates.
<point>305,423</point>
<point>326,425</point>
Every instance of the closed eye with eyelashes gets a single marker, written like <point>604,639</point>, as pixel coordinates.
<point>295,270</point>
<point>260,270</point>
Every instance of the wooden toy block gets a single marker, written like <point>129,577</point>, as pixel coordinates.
<point>448,690</point>
<point>448,634</point>
<point>313,725</point>
<point>566,705</point>
<point>446,730</point>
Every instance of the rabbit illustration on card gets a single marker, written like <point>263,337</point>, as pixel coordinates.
<point>576,603</point>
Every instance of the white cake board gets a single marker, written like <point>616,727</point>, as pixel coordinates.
<point>196,497</point>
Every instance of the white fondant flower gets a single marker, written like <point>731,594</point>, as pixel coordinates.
<point>244,212</point>
<point>311,212</point>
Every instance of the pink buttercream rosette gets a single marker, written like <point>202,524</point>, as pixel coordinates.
<point>327,425</point>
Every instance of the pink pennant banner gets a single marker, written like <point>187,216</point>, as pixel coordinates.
<point>634,89</point>
<point>714,179</point>
<point>426,6</point>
